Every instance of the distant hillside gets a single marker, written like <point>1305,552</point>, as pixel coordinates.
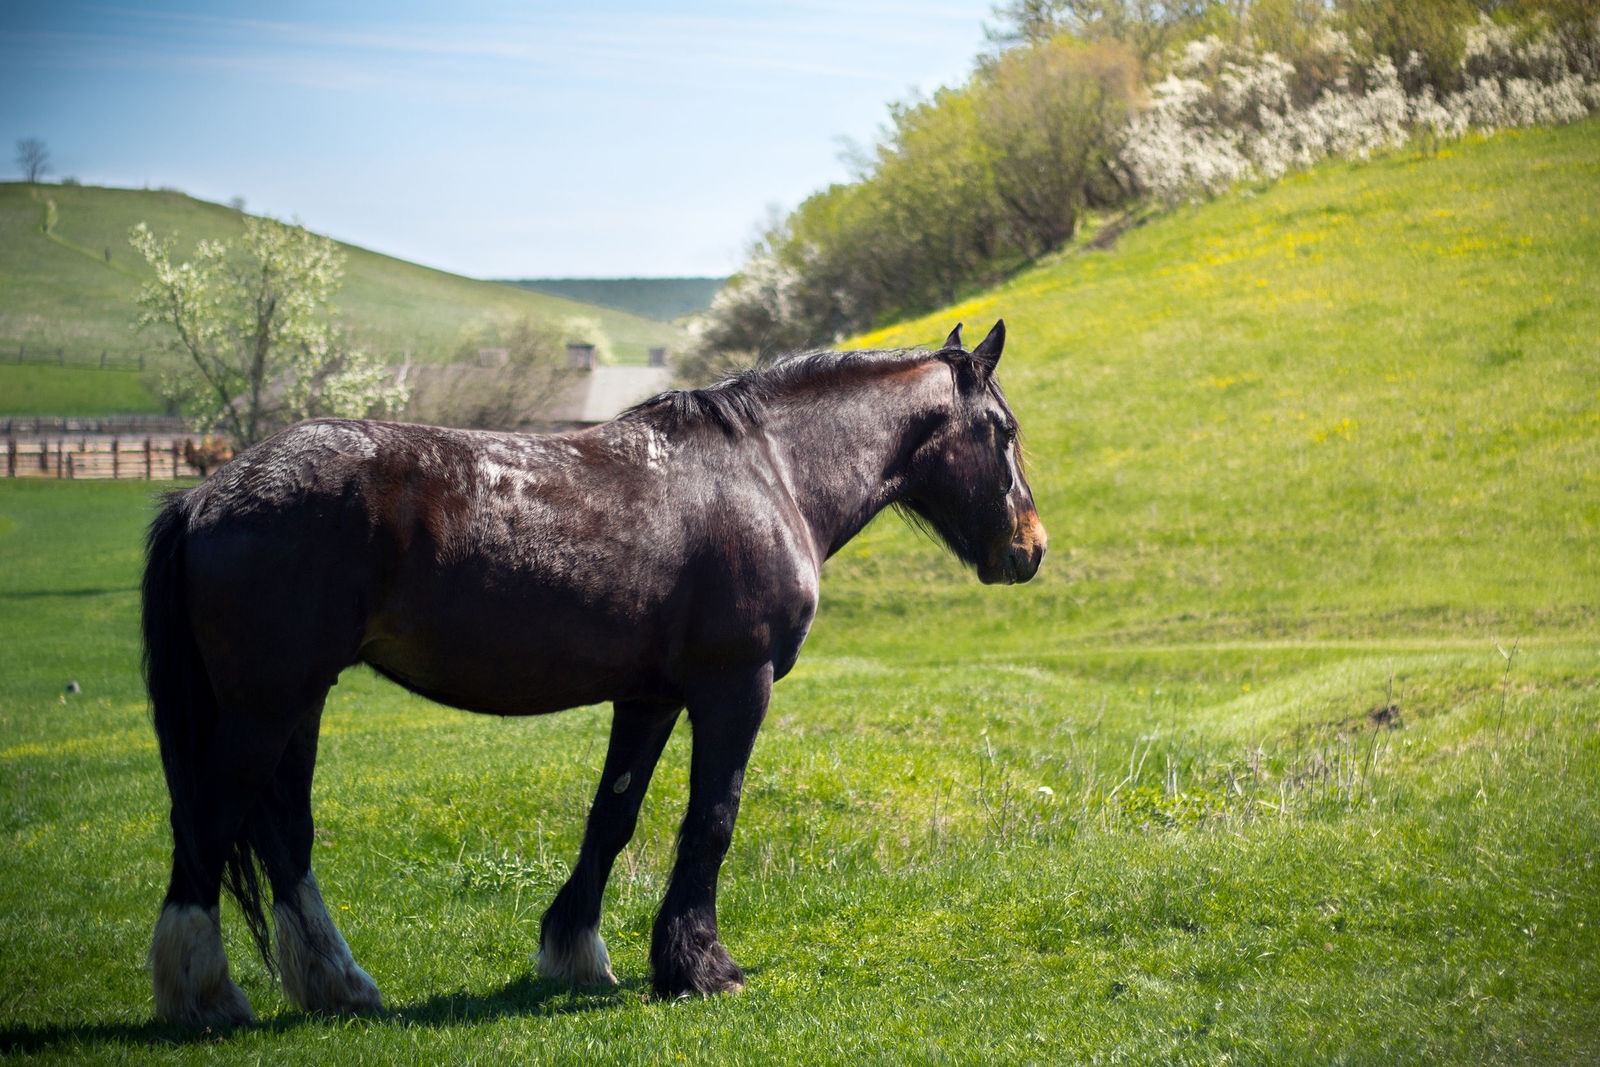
<point>662,299</point>
<point>1368,390</point>
<point>68,280</point>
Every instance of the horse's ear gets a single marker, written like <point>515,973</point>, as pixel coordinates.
<point>954,340</point>
<point>988,351</point>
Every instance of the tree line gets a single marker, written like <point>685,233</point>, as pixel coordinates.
<point>1082,106</point>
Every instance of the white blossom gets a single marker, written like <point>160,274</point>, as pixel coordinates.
<point>1226,115</point>
<point>251,349</point>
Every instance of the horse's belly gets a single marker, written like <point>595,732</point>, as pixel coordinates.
<point>502,665</point>
<point>529,685</point>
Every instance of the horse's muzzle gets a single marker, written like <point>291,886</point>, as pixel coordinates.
<point>1021,558</point>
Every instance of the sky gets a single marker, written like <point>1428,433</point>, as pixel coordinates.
<point>495,140</point>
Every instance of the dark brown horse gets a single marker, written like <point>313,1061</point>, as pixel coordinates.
<point>666,560</point>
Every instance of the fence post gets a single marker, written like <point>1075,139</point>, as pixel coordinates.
<point>44,457</point>
<point>115,464</point>
<point>149,473</point>
<point>61,456</point>
<point>11,457</point>
<point>174,459</point>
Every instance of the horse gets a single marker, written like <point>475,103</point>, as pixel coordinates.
<point>666,560</point>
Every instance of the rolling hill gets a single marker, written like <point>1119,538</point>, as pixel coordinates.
<point>72,284</point>
<point>663,299</point>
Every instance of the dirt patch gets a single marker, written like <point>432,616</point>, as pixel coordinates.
<point>1385,715</point>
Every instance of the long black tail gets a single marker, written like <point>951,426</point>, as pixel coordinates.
<point>184,707</point>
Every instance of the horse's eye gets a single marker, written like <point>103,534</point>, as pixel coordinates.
<point>1007,433</point>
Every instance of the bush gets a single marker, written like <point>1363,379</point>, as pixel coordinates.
<point>510,392</point>
<point>1051,118</point>
<point>1424,39</point>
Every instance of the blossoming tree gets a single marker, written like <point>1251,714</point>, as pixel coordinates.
<point>251,346</point>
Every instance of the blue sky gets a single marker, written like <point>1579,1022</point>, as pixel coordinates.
<point>490,139</point>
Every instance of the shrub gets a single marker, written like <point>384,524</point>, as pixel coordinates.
<point>1051,118</point>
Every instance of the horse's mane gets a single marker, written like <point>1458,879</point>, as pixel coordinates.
<point>737,404</point>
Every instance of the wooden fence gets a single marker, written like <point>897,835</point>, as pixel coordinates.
<point>62,356</point>
<point>98,456</point>
<point>71,426</point>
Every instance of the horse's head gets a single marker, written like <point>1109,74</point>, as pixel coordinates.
<point>967,480</point>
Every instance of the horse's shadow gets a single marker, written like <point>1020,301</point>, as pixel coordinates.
<point>524,995</point>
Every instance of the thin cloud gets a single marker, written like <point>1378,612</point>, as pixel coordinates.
<point>692,49</point>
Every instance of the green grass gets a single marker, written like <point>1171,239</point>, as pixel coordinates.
<point>74,287</point>
<point>40,389</point>
<point>1350,402</point>
<point>1137,811</point>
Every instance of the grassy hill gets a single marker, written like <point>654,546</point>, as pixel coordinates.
<point>1363,398</point>
<point>662,299</point>
<point>73,287</point>
<point>1291,752</point>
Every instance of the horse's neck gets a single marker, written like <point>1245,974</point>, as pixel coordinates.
<point>845,460</point>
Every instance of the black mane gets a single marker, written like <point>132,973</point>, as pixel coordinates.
<point>738,403</point>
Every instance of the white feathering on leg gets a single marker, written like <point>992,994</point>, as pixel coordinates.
<point>189,970</point>
<point>587,963</point>
<point>319,974</point>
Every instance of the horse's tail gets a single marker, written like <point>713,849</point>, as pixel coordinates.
<point>184,708</point>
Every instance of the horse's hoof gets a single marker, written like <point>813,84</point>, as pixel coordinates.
<point>342,990</point>
<point>318,972</point>
<point>223,1008</point>
<point>229,1009</point>
<point>583,962</point>
<point>702,973</point>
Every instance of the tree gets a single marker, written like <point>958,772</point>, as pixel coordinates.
<point>250,348</point>
<point>33,157</point>
<point>503,378</point>
<point>1051,116</point>
<point>1149,27</point>
<point>1424,38</point>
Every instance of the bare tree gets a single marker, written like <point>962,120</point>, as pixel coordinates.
<point>33,157</point>
<point>506,376</point>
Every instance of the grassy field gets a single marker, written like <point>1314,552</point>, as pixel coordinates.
<point>1290,752</point>
<point>74,286</point>
<point>40,389</point>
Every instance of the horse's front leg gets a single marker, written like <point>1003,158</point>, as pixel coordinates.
<point>570,947</point>
<point>685,954</point>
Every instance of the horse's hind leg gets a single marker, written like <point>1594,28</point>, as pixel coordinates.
<point>189,969</point>
<point>314,962</point>
<point>570,946</point>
